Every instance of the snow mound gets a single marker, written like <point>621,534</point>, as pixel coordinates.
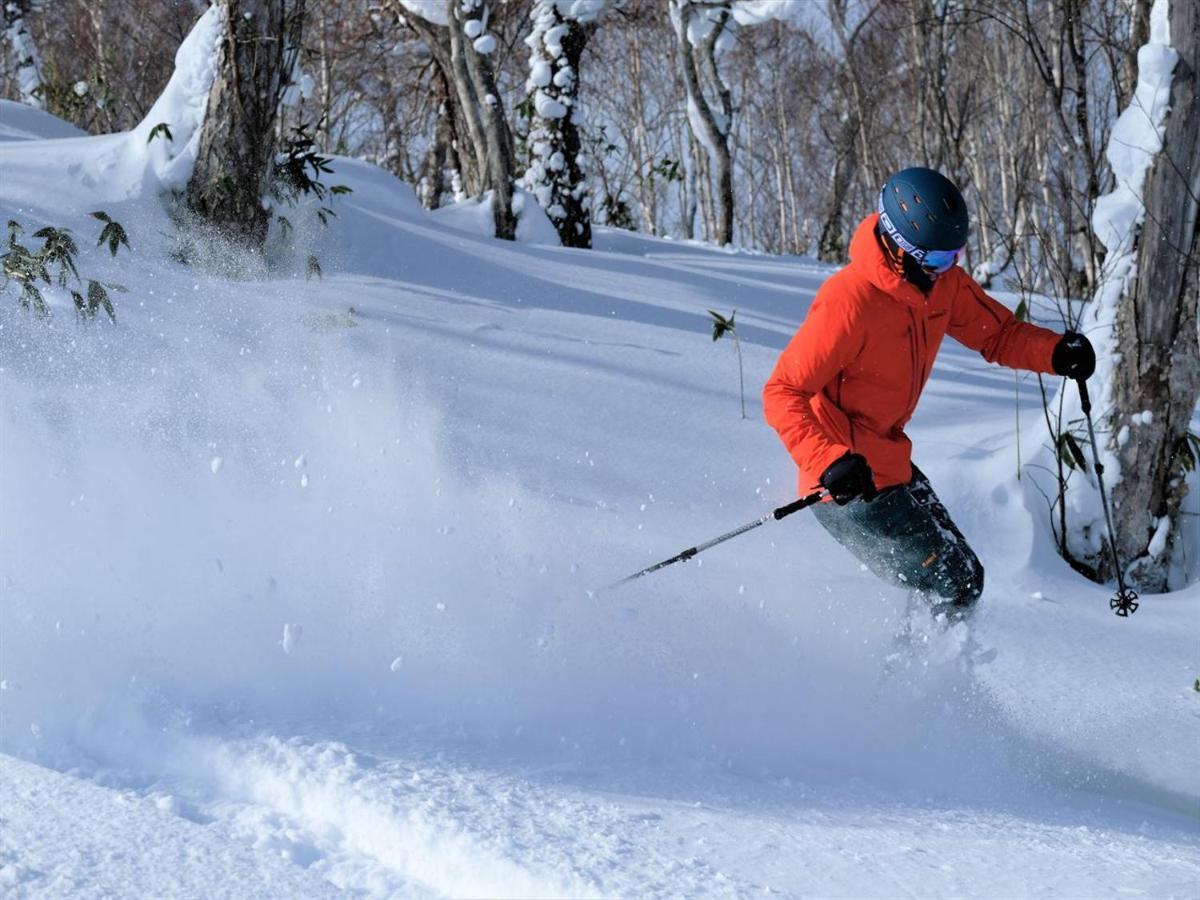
<point>24,123</point>
<point>66,837</point>
<point>133,167</point>
<point>475,217</point>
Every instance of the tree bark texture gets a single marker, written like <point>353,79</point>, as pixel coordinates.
<point>832,247</point>
<point>710,124</point>
<point>235,161</point>
<point>1157,328</point>
<point>475,83</point>
<point>864,96</point>
<point>441,160</point>
<point>459,105</point>
<point>555,175</point>
<point>24,52</point>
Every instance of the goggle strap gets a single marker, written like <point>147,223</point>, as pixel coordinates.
<point>893,232</point>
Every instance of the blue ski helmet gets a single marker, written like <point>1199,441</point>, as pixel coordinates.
<point>922,211</point>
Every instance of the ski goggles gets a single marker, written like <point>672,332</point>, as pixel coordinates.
<point>940,260</point>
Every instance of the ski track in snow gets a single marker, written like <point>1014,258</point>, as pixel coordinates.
<point>62,836</point>
<point>324,620</point>
<point>431,825</point>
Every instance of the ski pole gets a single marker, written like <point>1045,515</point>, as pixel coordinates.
<point>687,554</point>
<point>1126,600</point>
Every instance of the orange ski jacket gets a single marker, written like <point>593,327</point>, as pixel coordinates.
<point>850,378</point>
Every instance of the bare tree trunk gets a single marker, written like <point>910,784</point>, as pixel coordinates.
<point>777,152</point>
<point>468,101</point>
<point>863,96</point>
<point>832,247</point>
<point>789,215</point>
<point>1157,328</point>
<point>699,64</point>
<point>1083,125</point>
<point>442,158</point>
<point>690,188</point>
<point>323,124</point>
<point>1139,31</point>
<point>751,222</point>
<point>237,143</point>
<point>25,52</point>
<point>555,175</point>
<point>1056,39</point>
<point>95,12</point>
<point>476,80</point>
<point>643,161</point>
<point>704,191</point>
<point>460,103</point>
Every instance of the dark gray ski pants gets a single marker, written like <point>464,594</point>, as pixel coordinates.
<point>907,538</point>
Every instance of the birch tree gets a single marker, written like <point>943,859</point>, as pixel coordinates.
<point>701,27</point>
<point>238,140</point>
<point>459,37</point>
<point>458,144</point>
<point>471,47</point>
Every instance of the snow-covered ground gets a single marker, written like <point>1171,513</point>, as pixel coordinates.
<point>300,590</point>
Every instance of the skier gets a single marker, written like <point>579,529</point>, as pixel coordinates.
<point>849,380</point>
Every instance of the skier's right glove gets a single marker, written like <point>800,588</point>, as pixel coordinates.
<point>847,478</point>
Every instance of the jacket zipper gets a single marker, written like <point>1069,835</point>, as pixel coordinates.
<point>916,365</point>
<point>926,365</point>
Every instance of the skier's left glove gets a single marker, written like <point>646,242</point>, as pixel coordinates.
<point>1073,357</point>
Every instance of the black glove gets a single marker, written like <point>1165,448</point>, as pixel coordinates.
<point>1074,357</point>
<point>847,478</point>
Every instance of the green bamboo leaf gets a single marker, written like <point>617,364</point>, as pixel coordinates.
<point>1071,451</point>
<point>32,297</point>
<point>114,234</point>
<point>1187,452</point>
<point>162,128</point>
<point>97,299</point>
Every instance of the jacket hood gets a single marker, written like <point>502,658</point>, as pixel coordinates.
<point>868,261</point>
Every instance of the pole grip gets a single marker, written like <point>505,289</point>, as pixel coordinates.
<point>797,505</point>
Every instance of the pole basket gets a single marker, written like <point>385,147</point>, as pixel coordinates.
<point>1125,602</point>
